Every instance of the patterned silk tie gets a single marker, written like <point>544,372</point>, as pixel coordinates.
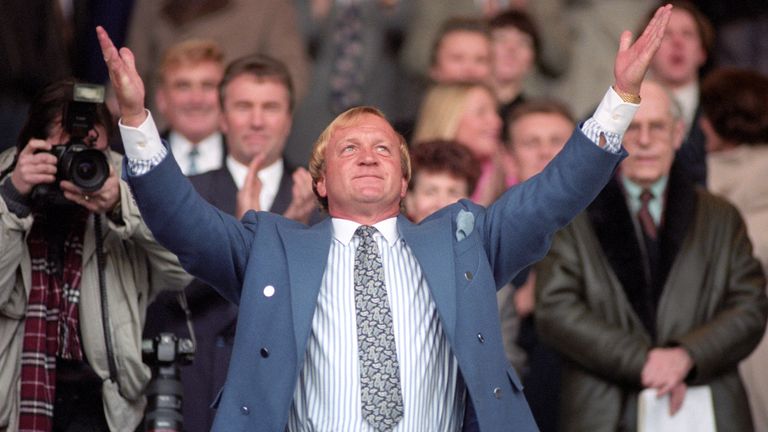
<point>380,396</point>
<point>192,165</point>
<point>644,214</point>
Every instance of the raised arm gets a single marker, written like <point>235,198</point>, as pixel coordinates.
<point>128,86</point>
<point>633,59</point>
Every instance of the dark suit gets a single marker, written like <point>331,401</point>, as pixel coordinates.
<point>214,318</point>
<point>466,252</point>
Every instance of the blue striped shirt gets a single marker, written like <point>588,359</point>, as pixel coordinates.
<point>327,397</point>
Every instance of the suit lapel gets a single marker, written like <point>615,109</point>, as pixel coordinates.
<point>306,254</point>
<point>679,211</point>
<point>432,245</point>
<point>613,226</point>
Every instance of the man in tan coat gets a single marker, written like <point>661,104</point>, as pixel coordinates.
<point>658,291</point>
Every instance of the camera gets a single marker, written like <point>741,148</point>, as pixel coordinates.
<point>164,353</point>
<point>77,162</point>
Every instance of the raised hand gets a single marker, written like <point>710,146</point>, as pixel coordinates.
<point>303,200</point>
<point>248,195</point>
<point>129,88</point>
<point>633,59</point>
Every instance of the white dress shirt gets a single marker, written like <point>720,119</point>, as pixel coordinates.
<point>327,397</point>
<point>269,176</point>
<point>210,152</point>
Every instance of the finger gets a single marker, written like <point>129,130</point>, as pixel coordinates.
<point>128,58</point>
<point>676,399</point>
<point>253,168</point>
<point>625,41</point>
<point>34,146</point>
<point>108,49</point>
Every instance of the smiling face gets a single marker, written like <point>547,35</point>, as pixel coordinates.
<point>363,176</point>
<point>433,190</point>
<point>462,56</point>
<point>652,138</point>
<point>189,99</point>
<point>480,125</point>
<point>681,53</point>
<point>535,139</point>
<point>256,118</point>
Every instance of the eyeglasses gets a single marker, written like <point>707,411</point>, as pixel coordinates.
<point>657,130</point>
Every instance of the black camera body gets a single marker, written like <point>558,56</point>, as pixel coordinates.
<point>164,353</point>
<point>77,162</point>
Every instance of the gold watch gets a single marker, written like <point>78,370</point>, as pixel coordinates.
<point>627,97</point>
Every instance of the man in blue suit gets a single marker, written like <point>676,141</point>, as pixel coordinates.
<point>365,321</point>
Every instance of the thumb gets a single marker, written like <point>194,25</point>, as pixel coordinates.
<point>625,41</point>
<point>128,57</point>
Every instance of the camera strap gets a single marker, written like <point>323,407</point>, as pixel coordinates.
<point>100,262</point>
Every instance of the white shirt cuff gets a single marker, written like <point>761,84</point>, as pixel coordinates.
<point>141,143</point>
<point>614,115</point>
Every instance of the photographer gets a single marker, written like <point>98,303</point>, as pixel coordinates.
<point>65,252</point>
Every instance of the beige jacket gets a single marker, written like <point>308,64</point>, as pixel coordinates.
<point>741,176</point>
<point>136,268</point>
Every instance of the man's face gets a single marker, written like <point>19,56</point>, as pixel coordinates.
<point>462,56</point>
<point>363,178</point>
<point>433,190</point>
<point>480,125</point>
<point>681,53</point>
<point>535,139</point>
<point>512,54</point>
<point>256,118</point>
<point>652,138</point>
<point>189,100</point>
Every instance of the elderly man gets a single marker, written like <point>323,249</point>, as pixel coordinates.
<point>654,286</point>
<point>366,321</point>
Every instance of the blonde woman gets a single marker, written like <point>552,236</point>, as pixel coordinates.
<point>466,112</point>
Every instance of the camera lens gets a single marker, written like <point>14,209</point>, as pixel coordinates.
<point>87,168</point>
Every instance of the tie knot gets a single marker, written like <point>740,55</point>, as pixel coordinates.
<point>646,196</point>
<point>194,152</point>
<point>365,231</point>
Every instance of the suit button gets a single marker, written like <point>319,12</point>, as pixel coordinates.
<point>244,410</point>
<point>481,338</point>
<point>264,352</point>
<point>269,291</point>
<point>468,275</point>
<point>497,392</point>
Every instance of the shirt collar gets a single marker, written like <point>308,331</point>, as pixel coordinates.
<point>634,190</point>
<point>270,176</point>
<point>344,230</point>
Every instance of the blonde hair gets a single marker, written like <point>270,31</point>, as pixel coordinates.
<point>442,110</point>
<point>343,120</point>
<point>190,52</point>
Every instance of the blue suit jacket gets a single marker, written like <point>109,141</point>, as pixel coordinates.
<point>241,258</point>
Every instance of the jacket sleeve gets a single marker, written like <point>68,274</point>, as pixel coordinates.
<point>165,271</point>
<point>518,227</point>
<point>739,323</point>
<point>568,319</point>
<point>13,234</point>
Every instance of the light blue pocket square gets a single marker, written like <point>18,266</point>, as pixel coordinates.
<point>465,223</point>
